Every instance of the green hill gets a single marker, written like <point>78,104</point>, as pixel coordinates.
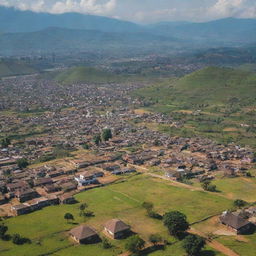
<point>217,86</point>
<point>248,67</point>
<point>209,86</point>
<point>86,75</point>
<point>13,67</point>
<point>225,97</point>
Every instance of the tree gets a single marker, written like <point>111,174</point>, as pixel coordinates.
<point>106,134</point>
<point>207,186</point>
<point>155,239</point>
<point>239,203</point>
<point>134,244</point>
<point>176,222</point>
<point>97,139</point>
<point>193,244</point>
<point>22,163</point>
<point>3,230</point>
<point>18,239</point>
<point>82,207</point>
<point>5,142</point>
<point>148,206</point>
<point>68,217</point>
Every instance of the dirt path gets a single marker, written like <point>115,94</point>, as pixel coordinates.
<point>215,244</point>
<point>145,171</point>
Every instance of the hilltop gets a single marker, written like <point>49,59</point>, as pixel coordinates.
<point>14,67</point>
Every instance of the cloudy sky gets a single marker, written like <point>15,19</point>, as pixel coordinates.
<point>144,11</point>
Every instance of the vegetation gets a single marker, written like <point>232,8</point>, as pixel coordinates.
<point>106,134</point>
<point>22,163</point>
<point>207,186</point>
<point>155,239</point>
<point>123,200</point>
<point>134,244</point>
<point>18,240</point>
<point>176,222</point>
<point>212,102</point>
<point>97,139</point>
<point>150,210</point>
<point>5,142</point>
<point>193,244</point>
<point>68,216</point>
<point>3,230</point>
<point>86,75</point>
<point>106,243</point>
<point>14,67</point>
<point>240,203</point>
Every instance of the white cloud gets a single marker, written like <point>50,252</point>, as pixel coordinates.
<point>100,7</point>
<point>144,11</point>
<point>233,8</point>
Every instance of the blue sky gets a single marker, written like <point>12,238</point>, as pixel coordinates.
<point>144,11</point>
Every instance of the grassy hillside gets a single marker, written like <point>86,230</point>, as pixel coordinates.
<point>251,67</point>
<point>86,75</point>
<point>217,86</point>
<point>11,68</point>
<point>219,103</point>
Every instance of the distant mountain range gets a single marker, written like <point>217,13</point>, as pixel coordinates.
<point>23,32</point>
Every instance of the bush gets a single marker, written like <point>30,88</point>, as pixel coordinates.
<point>207,186</point>
<point>3,230</point>
<point>105,243</point>
<point>154,215</point>
<point>155,239</point>
<point>134,244</point>
<point>239,203</point>
<point>147,205</point>
<point>17,239</point>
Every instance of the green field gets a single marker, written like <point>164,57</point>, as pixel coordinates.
<point>48,230</point>
<point>234,188</point>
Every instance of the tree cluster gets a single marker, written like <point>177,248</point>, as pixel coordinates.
<point>207,186</point>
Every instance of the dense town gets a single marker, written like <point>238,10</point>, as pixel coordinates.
<point>72,119</point>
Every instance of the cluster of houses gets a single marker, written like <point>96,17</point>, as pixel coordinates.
<point>70,117</point>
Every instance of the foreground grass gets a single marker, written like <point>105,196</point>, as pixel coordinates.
<point>48,230</point>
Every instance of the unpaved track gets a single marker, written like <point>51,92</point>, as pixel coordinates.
<point>215,244</point>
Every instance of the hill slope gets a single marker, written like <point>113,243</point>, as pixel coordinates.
<point>218,103</point>
<point>217,86</point>
<point>11,68</point>
<point>85,75</point>
<point>212,85</point>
